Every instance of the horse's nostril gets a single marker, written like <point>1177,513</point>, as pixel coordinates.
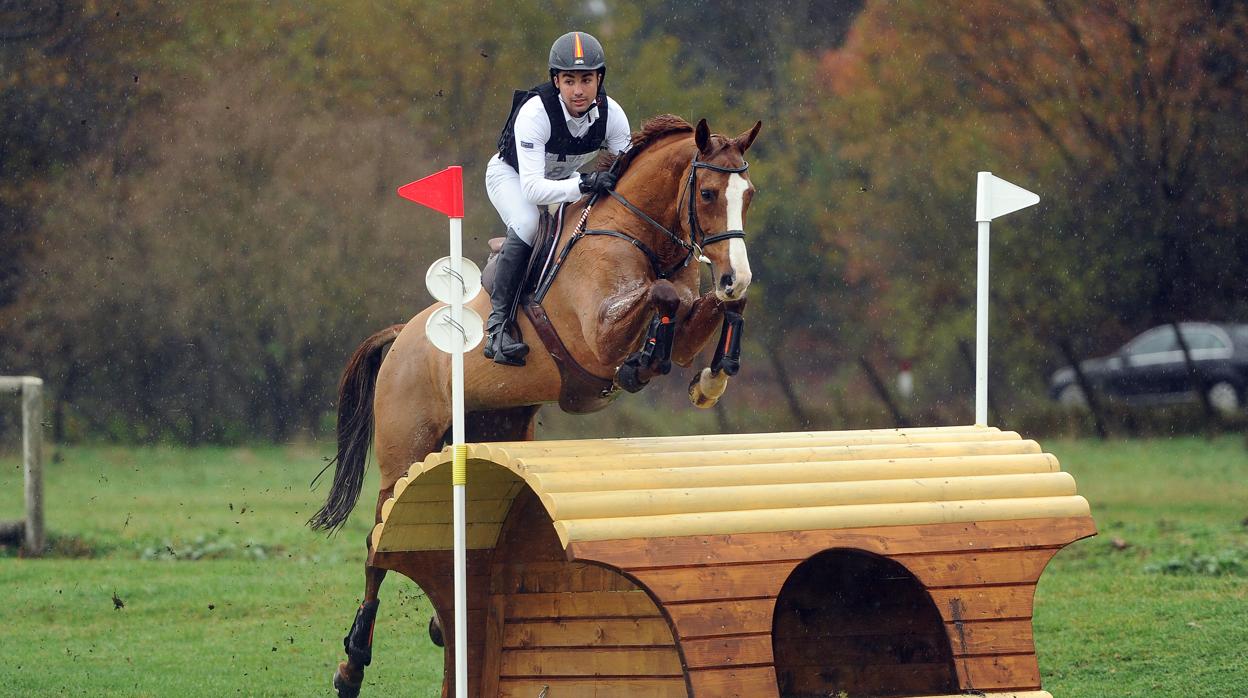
<point>726,281</point>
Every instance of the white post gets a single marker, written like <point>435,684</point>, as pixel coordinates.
<point>443,192</point>
<point>993,197</point>
<point>459,474</point>
<point>981,328</point>
<point>32,456</point>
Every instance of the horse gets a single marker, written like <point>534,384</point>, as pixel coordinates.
<point>623,302</point>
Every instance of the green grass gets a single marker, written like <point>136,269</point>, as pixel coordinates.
<point>1157,604</point>
<point>225,591</point>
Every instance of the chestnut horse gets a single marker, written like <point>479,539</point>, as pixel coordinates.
<point>631,277</point>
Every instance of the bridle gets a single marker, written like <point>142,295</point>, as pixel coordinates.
<point>695,228</point>
<point>698,238</point>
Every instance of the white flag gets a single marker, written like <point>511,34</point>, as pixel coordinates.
<point>995,197</point>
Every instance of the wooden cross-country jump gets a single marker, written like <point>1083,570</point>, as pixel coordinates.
<point>877,562</point>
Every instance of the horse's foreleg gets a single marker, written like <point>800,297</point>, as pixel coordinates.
<point>707,315</point>
<point>655,355</point>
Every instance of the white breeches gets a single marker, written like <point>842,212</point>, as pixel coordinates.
<point>502,183</point>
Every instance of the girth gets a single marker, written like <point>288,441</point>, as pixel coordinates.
<point>580,392</point>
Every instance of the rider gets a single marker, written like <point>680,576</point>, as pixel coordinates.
<point>554,129</point>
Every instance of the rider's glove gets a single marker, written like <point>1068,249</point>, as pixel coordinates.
<point>600,182</point>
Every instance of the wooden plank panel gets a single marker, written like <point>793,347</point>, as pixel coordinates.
<point>492,658</point>
<point>420,537</point>
<point>693,620</point>
<point>746,682</point>
<point>432,571</point>
<point>991,637</point>
<point>592,632</point>
<point>596,661</point>
<point>679,551</point>
<point>721,582</point>
<point>593,688</point>
<point>727,651</point>
<point>984,603</point>
<point>421,491</point>
<point>477,510</point>
<point>532,577</point>
<point>969,569</point>
<point>999,673</point>
<point>600,604</point>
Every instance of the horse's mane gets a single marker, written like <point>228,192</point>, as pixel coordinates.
<point>654,129</point>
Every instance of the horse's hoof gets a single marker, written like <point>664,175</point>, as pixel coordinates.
<point>344,686</point>
<point>435,632</point>
<point>701,401</point>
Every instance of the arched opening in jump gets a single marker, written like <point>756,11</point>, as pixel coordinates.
<point>563,628</point>
<point>855,622</point>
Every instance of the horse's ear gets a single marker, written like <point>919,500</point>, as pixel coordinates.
<point>744,140</point>
<point>702,136</point>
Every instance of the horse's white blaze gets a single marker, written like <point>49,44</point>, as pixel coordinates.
<point>735,194</point>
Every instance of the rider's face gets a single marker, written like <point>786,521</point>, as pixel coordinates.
<point>577,88</point>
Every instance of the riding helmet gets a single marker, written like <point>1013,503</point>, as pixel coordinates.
<point>577,51</point>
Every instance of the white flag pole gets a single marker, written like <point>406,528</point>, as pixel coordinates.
<point>459,472</point>
<point>994,197</point>
<point>981,328</point>
<point>453,329</point>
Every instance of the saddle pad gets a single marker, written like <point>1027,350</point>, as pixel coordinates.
<point>549,227</point>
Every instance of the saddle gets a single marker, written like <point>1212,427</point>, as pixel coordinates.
<point>580,391</point>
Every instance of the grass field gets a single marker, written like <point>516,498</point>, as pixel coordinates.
<point>226,593</point>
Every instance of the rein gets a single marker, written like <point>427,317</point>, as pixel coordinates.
<point>693,248</point>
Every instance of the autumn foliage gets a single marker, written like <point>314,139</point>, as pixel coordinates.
<point>198,220</point>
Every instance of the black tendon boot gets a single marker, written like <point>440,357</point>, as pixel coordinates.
<point>359,640</point>
<point>508,275</point>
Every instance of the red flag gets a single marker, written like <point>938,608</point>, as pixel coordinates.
<point>442,191</point>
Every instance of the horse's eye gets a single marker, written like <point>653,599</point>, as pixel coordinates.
<point>707,195</point>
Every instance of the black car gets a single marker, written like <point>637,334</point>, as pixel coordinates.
<point>1150,368</point>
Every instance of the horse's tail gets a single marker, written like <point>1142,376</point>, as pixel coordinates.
<point>355,430</point>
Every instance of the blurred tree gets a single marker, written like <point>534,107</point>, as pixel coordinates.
<point>214,293</point>
<point>1127,118</point>
<point>72,74</point>
<point>198,262</point>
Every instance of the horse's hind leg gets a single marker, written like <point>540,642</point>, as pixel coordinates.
<point>358,643</point>
<point>359,640</point>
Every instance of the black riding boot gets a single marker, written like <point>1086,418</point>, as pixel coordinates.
<point>508,276</point>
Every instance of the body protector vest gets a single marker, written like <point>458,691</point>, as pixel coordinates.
<point>562,143</point>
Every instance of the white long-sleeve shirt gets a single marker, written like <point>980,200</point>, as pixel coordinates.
<point>544,179</point>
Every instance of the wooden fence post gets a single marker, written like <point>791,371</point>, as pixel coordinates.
<point>32,456</point>
<point>32,462</point>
